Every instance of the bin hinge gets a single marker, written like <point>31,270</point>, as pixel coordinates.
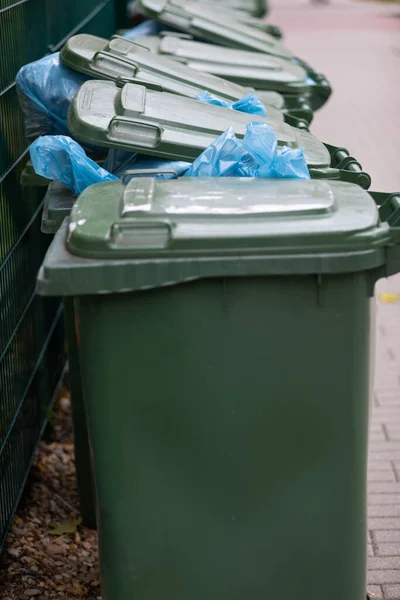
<point>302,113</point>
<point>361,178</point>
<point>327,173</point>
<point>296,121</point>
<point>320,85</point>
<point>349,168</point>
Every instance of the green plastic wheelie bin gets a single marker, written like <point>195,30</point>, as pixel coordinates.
<point>214,25</point>
<point>137,119</point>
<point>123,61</point>
<point>249,69</point>
<point>224,344</point>
<point>247,8</point>
<point>220,10</point>
<point>199,22</point>
<point>256,8</point>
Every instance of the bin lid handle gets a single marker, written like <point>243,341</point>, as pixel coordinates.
<point>128,175</point>
<point>176,34</point>
<point>155,87</point>
<point>389,212</point>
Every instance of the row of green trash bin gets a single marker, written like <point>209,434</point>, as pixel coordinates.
<point>218,328</point>
<point>252,8</point>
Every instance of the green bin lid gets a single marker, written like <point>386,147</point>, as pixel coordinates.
<point>58,203</point>
<point>137,119</point>
<point>151,233</point>
<point>121,58</point>
<point>257,8</point>
<point>252,69</point>
<point>222,10</point>
<point>197,19</point>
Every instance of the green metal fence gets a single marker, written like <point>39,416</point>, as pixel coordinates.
<point>31,328</point>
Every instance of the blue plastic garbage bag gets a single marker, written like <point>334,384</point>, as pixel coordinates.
<point>222,158</point>
<point>257,155</point>
<point>62,159</point>
<point>118,162</point>
<point>248,104</point>
<point>45,90</point>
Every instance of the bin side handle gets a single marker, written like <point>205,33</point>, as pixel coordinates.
<point>389,212</point>
<point>389,207</point>
<point>350,169</point>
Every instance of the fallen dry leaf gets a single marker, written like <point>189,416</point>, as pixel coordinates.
<point>387,298</point>
<point>66,526</point>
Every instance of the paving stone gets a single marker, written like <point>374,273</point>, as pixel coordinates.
<point>383,499</point>
<point>384,487</point>
<point>391,549</point>
<point>385,456</point>
<point>392,592</point>
<point>381,476</point>
<point>386,536</point>
<point>382,446</point>
<point>377,436</point>
<point>375,591</point>
<point>386,510</point>
<point>383,523</point>
<point>382,576</point>
<point>383,562</point>
<point>379,465</point>
<point>389,401</point>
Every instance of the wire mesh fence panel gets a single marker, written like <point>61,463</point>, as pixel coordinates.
<point>23,31</point>
<point>85,15</point>
<point>28,423</point>
<point>32,349</point>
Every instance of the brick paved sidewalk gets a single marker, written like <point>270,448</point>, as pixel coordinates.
<point>357,46</point>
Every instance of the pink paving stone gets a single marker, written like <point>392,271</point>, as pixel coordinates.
<point>383,576</point>
<point>391,592</point>
<point>375,592</point>
<point>387,536</point>
<point>357,46</point>
<point>392,549</point>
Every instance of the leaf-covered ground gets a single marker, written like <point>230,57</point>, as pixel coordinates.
<point>49,554</point>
